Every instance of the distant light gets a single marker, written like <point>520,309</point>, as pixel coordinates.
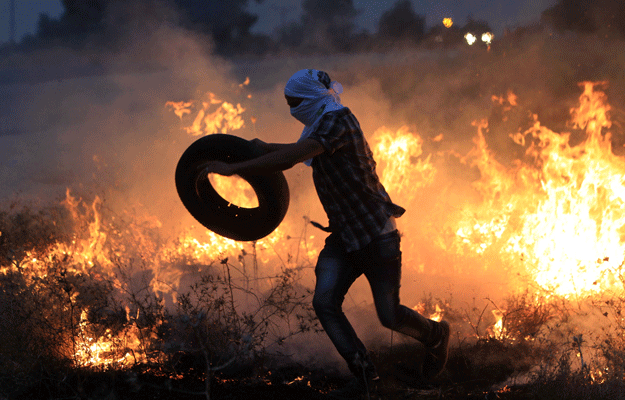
<point>470,38</point>
<point>448,22</point>
<point>487,37</point>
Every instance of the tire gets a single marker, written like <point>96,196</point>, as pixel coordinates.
<point>213,211</point>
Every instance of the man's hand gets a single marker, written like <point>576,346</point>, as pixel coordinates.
<point>217,167</point>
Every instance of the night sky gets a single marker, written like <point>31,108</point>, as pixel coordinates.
<point>499,14</point>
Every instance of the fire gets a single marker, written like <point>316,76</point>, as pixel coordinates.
<point>234,189</point>
<point>448,22</point>
<point>298,380</point>
<point>559,217</point>
<point>404,171</point>
<point>436,315</point>
<point>497,330</point>
<point>104,250</point>
<point>96,249</point>
<point>556,216</point>
<point>106,350</point>
<point>225,118</point>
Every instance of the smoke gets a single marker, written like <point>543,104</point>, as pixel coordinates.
<point>441,93</point>
<point>96,122</point>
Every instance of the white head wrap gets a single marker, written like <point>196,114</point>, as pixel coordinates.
<point>320,94</point>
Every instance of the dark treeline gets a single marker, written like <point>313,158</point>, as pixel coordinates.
<point>325,26</point>
<point>605,17</point>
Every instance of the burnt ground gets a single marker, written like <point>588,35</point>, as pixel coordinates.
<point>473,372</point>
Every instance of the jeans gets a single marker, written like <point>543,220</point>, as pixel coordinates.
<point>337,270</point>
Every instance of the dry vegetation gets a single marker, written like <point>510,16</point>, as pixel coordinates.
<point>209,345</point>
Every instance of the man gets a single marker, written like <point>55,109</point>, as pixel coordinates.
<point>363,239</point>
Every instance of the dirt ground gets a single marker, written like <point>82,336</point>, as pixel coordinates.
<point>476,372</point>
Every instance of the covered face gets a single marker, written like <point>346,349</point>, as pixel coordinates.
<point>318,92</point>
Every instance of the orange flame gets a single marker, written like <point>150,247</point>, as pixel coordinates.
<point>225,118</point>
<point>560,217</point>
<point>403,169</point>
<point>235,190</point>
<point>497,330</point>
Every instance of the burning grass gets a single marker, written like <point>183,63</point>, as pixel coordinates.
<point>93,291</point>
<point>77,326</point>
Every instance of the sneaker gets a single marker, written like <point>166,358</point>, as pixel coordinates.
<point>436,356</point>
<point>371,373</point>
<point>365,374</point>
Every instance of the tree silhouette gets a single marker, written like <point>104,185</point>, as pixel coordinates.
<point>80,19</point>
<point>226,21</point>
<point>587,16</point>
<point>401,23</point>
<point>476,26</point>
<point>328,25</point>
<point>570,15</point>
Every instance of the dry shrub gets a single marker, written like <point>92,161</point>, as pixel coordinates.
<point>56,312</point>
<point>24,228</point>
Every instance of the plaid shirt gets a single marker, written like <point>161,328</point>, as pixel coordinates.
<point>349,189</point>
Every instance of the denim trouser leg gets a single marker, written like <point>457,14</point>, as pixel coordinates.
<point>381,261</point>
<point>337,270</point>
<point>334,278</point>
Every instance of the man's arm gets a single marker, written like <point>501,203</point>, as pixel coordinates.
<point>285,157</point>
<point>269,147</point>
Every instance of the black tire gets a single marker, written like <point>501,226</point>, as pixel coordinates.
<point>213,211</point>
